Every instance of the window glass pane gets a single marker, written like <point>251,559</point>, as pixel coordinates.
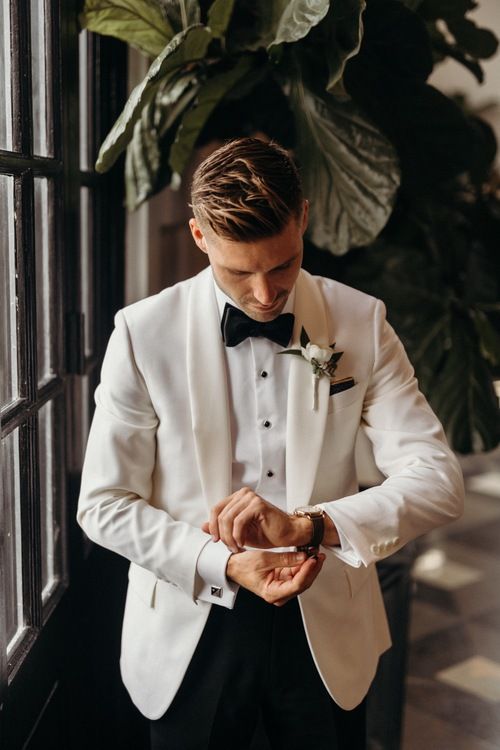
<point>5,76</point>
<point>45,302</point>
<point>41,83</point>
<point>8,294</point>
<point>11,532</point>
<point>49,506</point>
<point>84,94</point>
<point>87,266</point>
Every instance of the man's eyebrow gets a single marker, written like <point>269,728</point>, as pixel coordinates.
<point>286,262</point>
<point>275,268</point>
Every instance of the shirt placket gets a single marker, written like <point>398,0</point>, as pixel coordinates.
<point>271,418</point>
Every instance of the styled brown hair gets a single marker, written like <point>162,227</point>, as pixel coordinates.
<point>245,190</point>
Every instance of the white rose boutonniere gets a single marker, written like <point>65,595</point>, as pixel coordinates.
<point>323,361</point>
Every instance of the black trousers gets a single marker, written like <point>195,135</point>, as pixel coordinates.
<point>251,663</point>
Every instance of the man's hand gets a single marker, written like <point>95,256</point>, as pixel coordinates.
<point>245,518</point>
<point>276,577</point>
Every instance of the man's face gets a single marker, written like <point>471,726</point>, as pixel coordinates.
<point>257,275</point>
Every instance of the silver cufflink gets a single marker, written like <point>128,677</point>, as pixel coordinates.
<point>216,591</point>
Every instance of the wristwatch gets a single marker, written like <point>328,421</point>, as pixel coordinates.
<point>317,516</point>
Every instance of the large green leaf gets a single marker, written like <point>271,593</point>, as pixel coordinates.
<point>441,288</point>
<point>182,13</point>
<point>254,24</point>
<point>142,161</point>
<point>187,46</point>
<point>144,175</point>
<point>463,393</point>
<point>345,34</point>
<point>349,169</point>
<point>479,43</point>
<point>298,18</point>
<point>141,23</point>
<point>489,339</point>
<point>195,118</point>
<point>219,16</point>
<point>443,49</point>
<point>435,9</point>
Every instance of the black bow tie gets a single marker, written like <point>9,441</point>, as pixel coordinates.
<point>236,327</point>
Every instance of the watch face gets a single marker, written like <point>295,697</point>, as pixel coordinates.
<point>310,510</point>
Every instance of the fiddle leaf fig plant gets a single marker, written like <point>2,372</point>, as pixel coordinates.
<point>213,50</point>
<point>341,153</point>
<point>297,19</point>
<point>183,50</point>
<point>398,175</point>
<point>143,24</point>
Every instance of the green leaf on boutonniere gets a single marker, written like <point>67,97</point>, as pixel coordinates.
<point>304,338</point>
<point>297,352</point>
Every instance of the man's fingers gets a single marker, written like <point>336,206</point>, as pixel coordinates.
<point>219,518</point>
<point>284,586</point>
<point>244,515</point>
<point>228,523</point>
<point>272,560</point>
<point>215,514</point>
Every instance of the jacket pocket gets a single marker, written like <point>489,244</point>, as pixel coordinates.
<point>143,583</point>
<point>357,577</point>
<point>343,399</point>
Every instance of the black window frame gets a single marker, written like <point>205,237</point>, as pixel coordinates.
<point>34,675</point>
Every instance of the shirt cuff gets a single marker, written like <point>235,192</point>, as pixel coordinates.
<point>212,585</point>
<point>346,551</point>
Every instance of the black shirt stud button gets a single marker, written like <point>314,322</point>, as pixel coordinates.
<point>267,423</point>
<point>263,374</point>
<point>270,473</point>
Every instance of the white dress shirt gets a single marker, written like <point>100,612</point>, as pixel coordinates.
<point>257,388</point>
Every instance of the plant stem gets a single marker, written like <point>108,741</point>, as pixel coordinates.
<point>183,15</point>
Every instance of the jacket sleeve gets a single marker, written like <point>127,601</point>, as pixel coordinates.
<point>114,506</point>
<point>423,487</point>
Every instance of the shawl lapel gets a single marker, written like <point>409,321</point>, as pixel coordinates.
<point>207,383</point>
<point>305,426</point>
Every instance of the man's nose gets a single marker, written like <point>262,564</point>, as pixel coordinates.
<point>263,291</point>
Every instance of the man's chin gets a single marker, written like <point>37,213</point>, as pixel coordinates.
<point>262,315</point>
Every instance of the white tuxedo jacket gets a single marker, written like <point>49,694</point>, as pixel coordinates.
<point>159,455</point>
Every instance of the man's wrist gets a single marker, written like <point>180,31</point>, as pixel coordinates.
<point>232,567</point>
<point>331,537</point>
<point>302,531</point>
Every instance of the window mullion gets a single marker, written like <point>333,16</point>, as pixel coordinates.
<point>30,516</point>
<point>30,522</point>
<point>21,61</point>
<point>3,594</point>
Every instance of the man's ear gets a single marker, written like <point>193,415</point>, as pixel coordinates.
<point>198,235</point>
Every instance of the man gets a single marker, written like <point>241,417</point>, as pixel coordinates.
<point>209,435</point>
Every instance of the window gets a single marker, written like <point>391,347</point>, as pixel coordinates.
<point>61,282</point>
<point>32,391</point>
